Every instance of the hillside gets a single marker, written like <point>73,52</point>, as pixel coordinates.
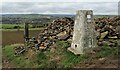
<point>54,40</point>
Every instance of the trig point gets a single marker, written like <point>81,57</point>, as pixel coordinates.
<point>84,32</point>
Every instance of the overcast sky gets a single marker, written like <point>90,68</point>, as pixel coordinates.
<point>59,0</point>
<point>103,8</point>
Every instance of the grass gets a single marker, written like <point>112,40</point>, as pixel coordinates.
<point>20,61</point>
<point>41,60</point>
<point>11,26</point>
<point>16,27</point>
<point>69,59</point>
<point>60,57</point>
<point>8,52</point>
<point>20,29</point>
<point>107,51</point>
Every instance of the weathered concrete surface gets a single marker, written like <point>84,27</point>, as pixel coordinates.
<point>83,35</point>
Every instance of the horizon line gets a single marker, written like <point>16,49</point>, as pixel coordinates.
<point>51,13</point>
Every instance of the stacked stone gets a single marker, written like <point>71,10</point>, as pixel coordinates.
<point>59,29</point>
<point>108,30</point>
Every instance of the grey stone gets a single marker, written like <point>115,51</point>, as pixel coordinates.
<point>112,37</point>
<point>63,35</point>
<point>103,34</point>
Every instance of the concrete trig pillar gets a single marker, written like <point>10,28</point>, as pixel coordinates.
<point>83,35</point>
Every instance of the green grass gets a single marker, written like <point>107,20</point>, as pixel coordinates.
<point>41,60</point>
<point>10,26</point>
<point>20,61</point>
<point>107,51</point>
<point>16,27</point>
<point>9,53</point>
<point>20,29</point>
<point>58,58</point>
<point>69,59</point>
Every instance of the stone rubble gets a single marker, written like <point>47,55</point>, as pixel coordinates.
<point>19,50</point>
<point>107,31</point>
<point>59,29</point>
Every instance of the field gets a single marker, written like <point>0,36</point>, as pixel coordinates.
<point>18,27</point>
<point>14,33</point>
<point>12,37</point>
<point>11,26</point>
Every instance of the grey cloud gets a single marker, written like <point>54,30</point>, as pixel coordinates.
<point>37,7</point>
